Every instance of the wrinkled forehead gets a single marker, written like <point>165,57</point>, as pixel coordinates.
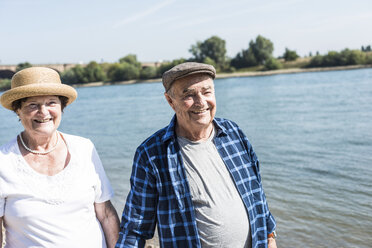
<point>194,81</point>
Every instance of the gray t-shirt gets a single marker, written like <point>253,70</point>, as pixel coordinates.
<point>221,217</point>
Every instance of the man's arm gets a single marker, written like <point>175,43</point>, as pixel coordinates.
<point>139,215</point>
<point>107,216</point>
<point>270,221</point>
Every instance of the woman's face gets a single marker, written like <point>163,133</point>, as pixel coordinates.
<point>40,115</point>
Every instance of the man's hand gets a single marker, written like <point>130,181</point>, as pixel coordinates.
<point>271,243</point>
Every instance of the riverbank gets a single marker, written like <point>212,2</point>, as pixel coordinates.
<point>291,71</point>
<point>221,75</point>
<point>237,74</point>
<point>317,116</point>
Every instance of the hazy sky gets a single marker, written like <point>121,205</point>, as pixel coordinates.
<point>73,31</point>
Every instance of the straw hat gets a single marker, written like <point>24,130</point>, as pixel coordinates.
<point>36,81</point>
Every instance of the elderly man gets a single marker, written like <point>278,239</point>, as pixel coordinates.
<point>198,178</point>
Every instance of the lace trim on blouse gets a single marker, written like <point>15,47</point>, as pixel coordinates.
<point>51,189</point>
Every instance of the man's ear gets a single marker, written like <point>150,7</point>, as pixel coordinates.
<point>169,100</point>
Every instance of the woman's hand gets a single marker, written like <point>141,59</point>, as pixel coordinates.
<point>107,216</point>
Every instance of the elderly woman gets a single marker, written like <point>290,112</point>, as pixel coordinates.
<point>53,189</point>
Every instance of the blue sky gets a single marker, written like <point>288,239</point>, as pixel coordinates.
<point>73,31</point>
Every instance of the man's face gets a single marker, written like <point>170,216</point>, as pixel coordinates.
<point>193,100</point>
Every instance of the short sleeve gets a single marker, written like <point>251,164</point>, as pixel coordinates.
<point>103,189</point>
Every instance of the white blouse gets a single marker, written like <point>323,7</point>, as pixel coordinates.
<point>53,211</point>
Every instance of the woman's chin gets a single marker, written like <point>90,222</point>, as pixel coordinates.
<point>43,131</point>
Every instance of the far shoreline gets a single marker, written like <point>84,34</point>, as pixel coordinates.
<point>235,74</point>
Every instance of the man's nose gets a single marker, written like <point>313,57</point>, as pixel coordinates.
<point>199,99</point>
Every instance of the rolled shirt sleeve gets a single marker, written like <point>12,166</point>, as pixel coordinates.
<point>139,215</point>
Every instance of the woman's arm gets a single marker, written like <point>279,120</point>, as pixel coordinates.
<point>1,231</point>
<point>107,216</point>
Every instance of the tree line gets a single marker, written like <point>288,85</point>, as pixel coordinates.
<point>257,56</point>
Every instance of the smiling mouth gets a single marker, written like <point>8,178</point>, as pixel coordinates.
<point>200,111</point>
<point>43,120</point>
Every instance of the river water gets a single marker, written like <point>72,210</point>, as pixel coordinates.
<point>312,133</point>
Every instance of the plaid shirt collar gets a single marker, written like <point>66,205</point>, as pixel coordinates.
<point>170,132</point>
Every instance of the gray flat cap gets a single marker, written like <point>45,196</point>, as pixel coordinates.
<point>186,69</point>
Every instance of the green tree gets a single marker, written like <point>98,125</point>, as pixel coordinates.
<point>258,52</point>
<point>130,71</point>
<point>213,48</point>
<point>272,64</point>
<point>243,59</point>
<point>5,84</point>
<point>68,77</point>
<point>290,55</point>
<point>166,66</point>
<point>75,75</point>
<point>345,57</point>
<point>123,71</point>
<point>148,72</point>
<point>316,61</point>
<point>352,57</point>
<point>210,61</point>
<point>332,59</point>
<point>80,75</point>
<point>22,66</point>
<point>262,49</point>
<point>94,72</point>
<point>131,59</point>
<point>128,68</point>
<point>114,72</point>
<point>366,49</point>
<point>195,50</point>
<point>368,59</point>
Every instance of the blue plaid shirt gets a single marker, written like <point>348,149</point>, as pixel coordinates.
<point>160,191</point>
